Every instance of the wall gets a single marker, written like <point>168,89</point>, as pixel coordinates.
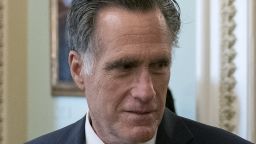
<point>252,71</point>
<point>14,56</point>
<point>183,74</point>
<point>209,49</point>
<point>15,70</point>
<point>241,61</point>
<point>40,103</point>
<point>45,112</point>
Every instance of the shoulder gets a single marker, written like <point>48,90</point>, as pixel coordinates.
<point>181,130</point>
<point>211,135</point>
<point>61,136</point>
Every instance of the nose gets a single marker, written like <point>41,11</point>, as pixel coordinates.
<point>143,89</point>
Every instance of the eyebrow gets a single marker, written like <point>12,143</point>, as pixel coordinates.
<point>161,60</point>
<point>120,62</point>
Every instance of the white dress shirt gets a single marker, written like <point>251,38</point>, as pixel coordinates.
<point>92,138</point>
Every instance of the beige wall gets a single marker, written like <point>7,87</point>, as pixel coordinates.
<point>15,72</point>
<point>28,104</point>
<point>40,101</point>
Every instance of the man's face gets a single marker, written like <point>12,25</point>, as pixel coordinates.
<point>126,92</point>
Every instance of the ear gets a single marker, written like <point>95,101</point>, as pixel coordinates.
<point>76,66</point>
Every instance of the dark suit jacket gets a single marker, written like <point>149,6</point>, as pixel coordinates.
<point>172,130</point>
<point>170,101</point>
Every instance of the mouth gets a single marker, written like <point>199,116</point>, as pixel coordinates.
<point>139,117</point>
<point>140,112</point>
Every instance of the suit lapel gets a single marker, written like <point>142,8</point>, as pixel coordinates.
<point>172,130</point>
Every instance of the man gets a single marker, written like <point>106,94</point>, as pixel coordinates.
<point>120,57</point>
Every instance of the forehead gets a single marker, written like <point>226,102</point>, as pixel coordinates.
<point>127,26</point>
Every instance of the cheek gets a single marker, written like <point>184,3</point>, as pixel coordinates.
<point>94,91</point>
<point>110,92</point>
<point>114,90</point>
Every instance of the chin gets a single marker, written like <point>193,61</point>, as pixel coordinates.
<point>142,134</point>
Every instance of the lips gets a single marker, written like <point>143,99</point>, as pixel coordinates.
<point>141,112</point>
<point>139,117</point>
<point>140,109</point>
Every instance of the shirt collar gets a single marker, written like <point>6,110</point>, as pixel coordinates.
<point>92,138</point>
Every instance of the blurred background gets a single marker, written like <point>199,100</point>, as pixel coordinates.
<point>213,76</point>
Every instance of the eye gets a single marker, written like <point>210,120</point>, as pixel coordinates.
<point>123,65</point>
<point>159,66</point>
<point>126,66</point>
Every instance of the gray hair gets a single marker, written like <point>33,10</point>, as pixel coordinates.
<point>82,16</point>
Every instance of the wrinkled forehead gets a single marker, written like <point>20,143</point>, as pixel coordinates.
<point>114,23</point>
